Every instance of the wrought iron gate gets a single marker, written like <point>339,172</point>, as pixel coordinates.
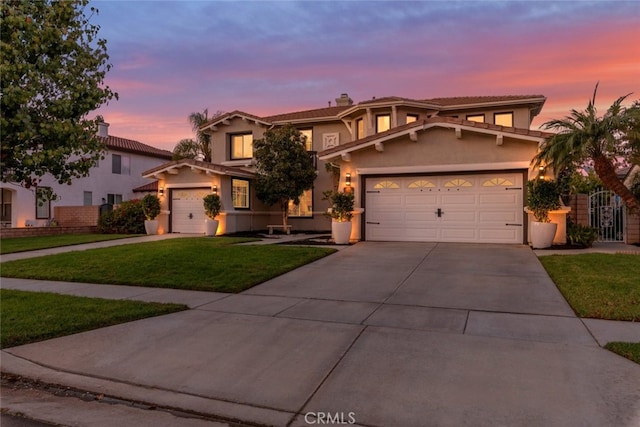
<point>606,214</point>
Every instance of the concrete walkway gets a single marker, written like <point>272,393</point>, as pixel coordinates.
<point>387,334</point>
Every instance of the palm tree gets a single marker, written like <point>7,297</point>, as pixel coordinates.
<point>584,137</point>
<point>204,140</point>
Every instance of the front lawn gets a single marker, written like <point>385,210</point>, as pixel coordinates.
<point>600,286</point>
<point>198,263</point>
<point>28,317</point>
<point>630,350</point>
<point>21,244</point>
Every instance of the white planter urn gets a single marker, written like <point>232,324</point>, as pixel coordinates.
<point>341,232</point>
<point>211,227</point>
<point>542,234</point>
<point>151,226</point>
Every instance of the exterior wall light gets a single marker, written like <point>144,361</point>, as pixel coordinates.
<point>214,189</point>
<point>348,179</point>
<point>161,191</point>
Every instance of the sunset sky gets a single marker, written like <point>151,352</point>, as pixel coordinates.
<point>172,58</point>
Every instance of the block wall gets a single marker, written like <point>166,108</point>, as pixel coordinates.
<point>71,216</point>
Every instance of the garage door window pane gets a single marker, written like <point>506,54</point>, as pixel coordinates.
<point>240,193</point>
<point>386,184</point>
<point>458,183</point>
<point>497,181</point>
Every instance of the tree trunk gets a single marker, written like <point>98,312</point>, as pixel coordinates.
<point>284,207</point>
<point>607,174</point>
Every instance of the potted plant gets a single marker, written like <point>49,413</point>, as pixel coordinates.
<point>151,209</point>
<point>542,197</point>
<point>212,207</point>
<point>340,212</point>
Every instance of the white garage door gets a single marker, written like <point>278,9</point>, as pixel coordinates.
<point>455,208</point>
<point>187,210</point>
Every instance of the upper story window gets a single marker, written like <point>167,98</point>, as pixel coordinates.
<point>241,146</point>
<point>503,119</point>
<point>359,128</point>
<point>308,134</point>
<point>240,193</point>
<point>412,118</point>
<point>383,122</point>
<point>120,165</point>
<point>476,118</point>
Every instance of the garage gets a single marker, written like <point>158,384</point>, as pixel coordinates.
<point>475,208</point>
<point>187,210</point>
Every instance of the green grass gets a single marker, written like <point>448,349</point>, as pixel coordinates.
<point>199,263</point>
<point>28,317</point>
<point>630,350</point>
<point>21,244</point>
<point>600,286</point>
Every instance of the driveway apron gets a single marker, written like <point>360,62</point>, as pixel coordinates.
<point>383,334</point>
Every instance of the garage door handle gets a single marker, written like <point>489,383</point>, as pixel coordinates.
<point>513,188</point>
<point>190,216</point>
<point>369,222</point>
<point>513,225</point>
<point>439,212</point>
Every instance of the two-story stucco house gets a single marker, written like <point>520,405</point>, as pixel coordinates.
<point>112,181</point>
<point>441,169</point>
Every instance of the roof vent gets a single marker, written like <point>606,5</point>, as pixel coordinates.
<point>344,100</point>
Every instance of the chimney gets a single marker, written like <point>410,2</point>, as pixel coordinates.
<point>344,100</point>
<point>103,129</point>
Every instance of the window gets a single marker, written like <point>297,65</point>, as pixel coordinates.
<point>87,197</point>
<point>412,118</point>
<point>5,205</point>
<point>304,208</point>
<point>476,118</point>
<point>114,199</point>
<point>383,123</point>
<point>503,119</point>
<point>43,202</point>
<point>242,146</point>
<point>120,165</point>
<point>240,193</point>
<point>308,134</point>
<point>359,129</point>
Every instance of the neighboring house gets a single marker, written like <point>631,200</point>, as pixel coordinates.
<point>441,169</point>
<point>111,181</point>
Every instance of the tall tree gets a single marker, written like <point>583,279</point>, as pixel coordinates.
<point>284,167</point>
<point>198,119</point>
<point>187,149</point>
<point>53,67</point>
<point>606,142</point>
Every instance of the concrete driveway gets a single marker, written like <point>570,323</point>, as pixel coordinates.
<point>380,334</point>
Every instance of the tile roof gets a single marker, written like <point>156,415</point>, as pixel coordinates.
<point>335,112</point>
<point>150,187</point>
<point>465,100</point>
<point>434,121</point>
<point>198,164</point>
<point>331,112</point>
<point>136,147</point>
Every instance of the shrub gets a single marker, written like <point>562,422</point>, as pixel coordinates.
<point>342,205</point>
<point>212,205</point>
<point>128,218</point>
<point>151,206</point>
<point>582,235</point>
<point>543,196</point>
